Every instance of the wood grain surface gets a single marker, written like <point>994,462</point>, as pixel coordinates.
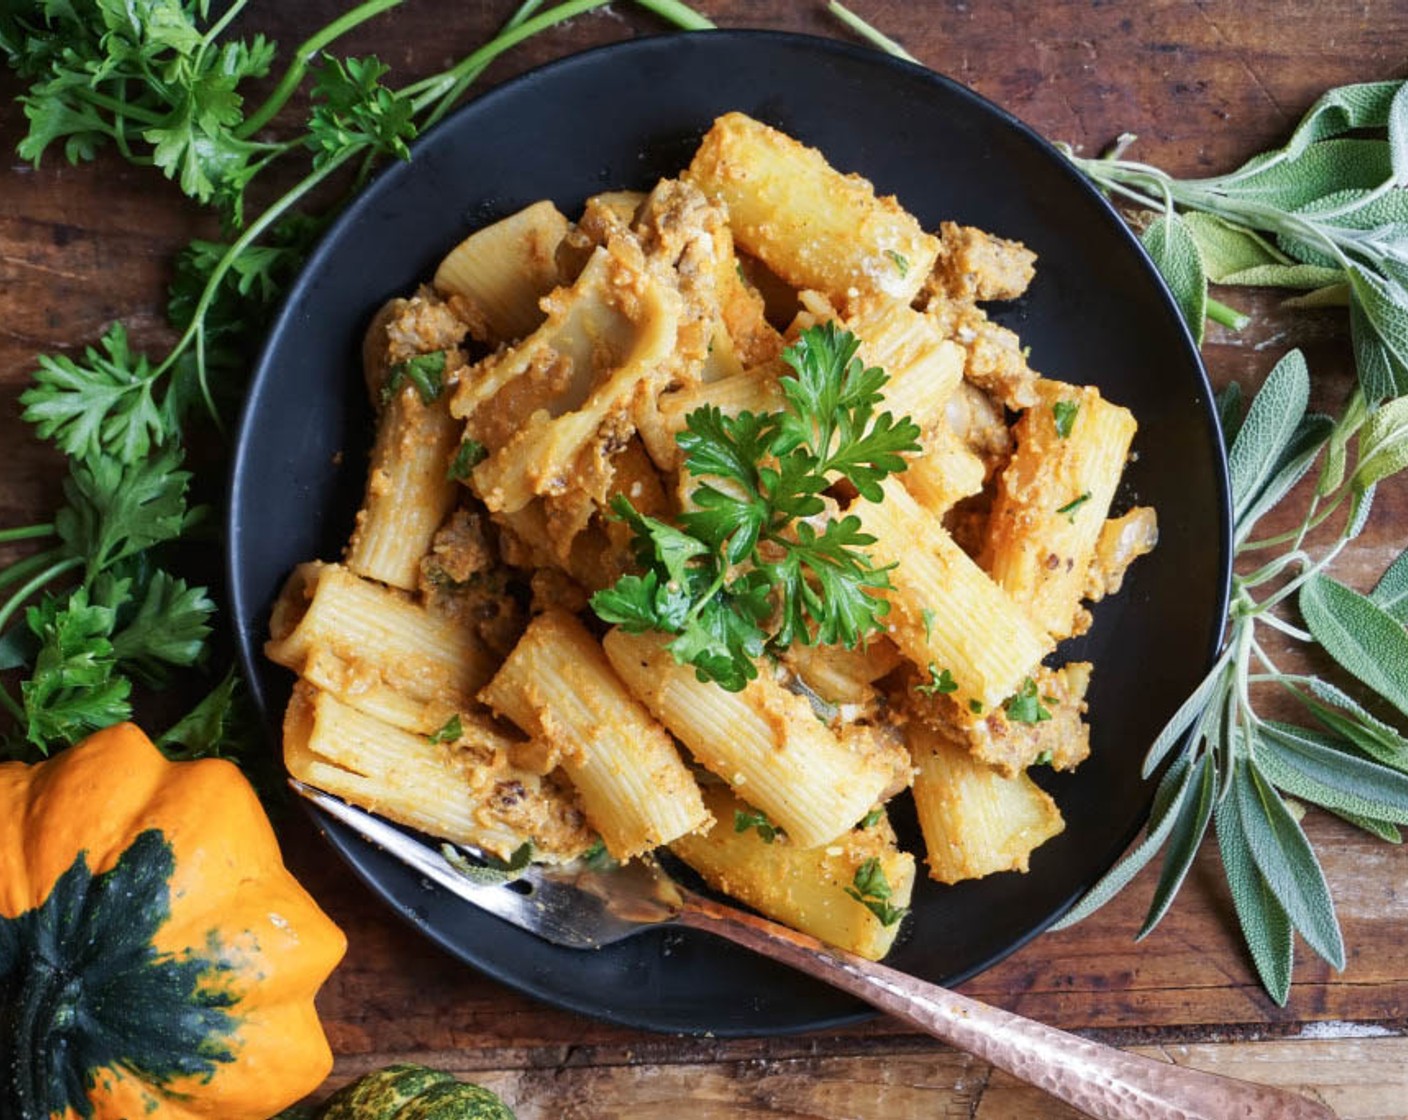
<point>1204,85</point>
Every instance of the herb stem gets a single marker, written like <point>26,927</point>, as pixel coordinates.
<point>304,54</point>
<point>680,14</point>
<point>194,332</point>
<point>429,90</point>
<point>866,31</point>
<point>1228,317</point>
<point>523,13</point>
<point>26,533</point>
<point>218,27</point>
<point>22,568</point>
<point>50,573</point>
<point>12,706</point>
<point>1285,627</point>
<point>118,108</point>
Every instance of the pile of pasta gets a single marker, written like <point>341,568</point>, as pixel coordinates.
<point>452,676</point>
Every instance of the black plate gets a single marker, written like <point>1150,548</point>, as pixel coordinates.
<point>623,116</point>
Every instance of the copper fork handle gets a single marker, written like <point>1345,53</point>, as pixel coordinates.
<point>1099,1080</point>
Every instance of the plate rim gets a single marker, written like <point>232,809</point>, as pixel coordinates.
<point>248,639</point>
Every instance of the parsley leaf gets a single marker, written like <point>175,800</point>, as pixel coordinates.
<point>74,688</point>
<point>1064,415</point>
<point>107,401</point>
<point>744,819</point>
<point>468,455</point>
<point>748,555</point>
<point>872,818</point>
<point>351,108</point>
<point>211,729</point>
<point>451,731</point>
<point>116,510</point>
<point>1025,706</point>
<point>168,628</point>
<point>872,890</point>
<point>939,683</point>
<point>425,371</point>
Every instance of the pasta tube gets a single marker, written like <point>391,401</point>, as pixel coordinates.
<point>557,686</point>
<point>764,741</point>
<point>805,888</point>
<point>812,225</point>
<point>1053,499</point>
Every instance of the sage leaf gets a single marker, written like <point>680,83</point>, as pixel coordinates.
<point>1188,712</point>
<point>1360,504</point>
<point>1385,312</point>
<point>1391,592</point>
<point>1229,412</point>
<point>1383,444</point>
<point>1227,249</point>
<point>1270,424</point>
<point>1294,462</point>
<point>1341,713</point>
<point>1337,451</point>
<point>1298,275</point>
<point>1119,876</point>
<point>1175,253</point>
<point>1359,209</point>
<point>1381,829</point>
<point>1290,179</point>
<point>1344,109</point>
<point>1321,769</point>
<point>1284,857</point>
<point>1184,840</point>
<point>1263,919</point>
<point>1331,295</point>
<point>1378,377</point>
<point>1398,134</point>
<point>1364,638</point>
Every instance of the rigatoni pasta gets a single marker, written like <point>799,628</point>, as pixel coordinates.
<point>557,686</point>
<point>566,618</point>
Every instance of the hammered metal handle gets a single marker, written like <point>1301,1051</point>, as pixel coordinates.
<point>1099,1080</point>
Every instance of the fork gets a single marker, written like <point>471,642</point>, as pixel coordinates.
<point>585,908</point>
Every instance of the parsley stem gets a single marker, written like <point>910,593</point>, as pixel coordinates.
<point>302,55</point>
<point>13,706</point>
<point>680,14</point>
<point>523,13</point>
<point>22,568</point>
<point>218,27</point>
<point>194,330</point>
<point>26,533</point>
<point>49,573</point>
<point>867,32</point>
<point>119,108</point>
<point>426,92</point>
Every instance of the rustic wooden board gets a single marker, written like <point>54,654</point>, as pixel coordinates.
<point>1204,85</point>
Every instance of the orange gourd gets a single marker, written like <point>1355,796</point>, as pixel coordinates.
<point>157,960</point>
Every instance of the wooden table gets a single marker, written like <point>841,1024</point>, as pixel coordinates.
<point>1204,84</point>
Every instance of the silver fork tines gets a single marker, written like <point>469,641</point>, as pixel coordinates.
<point>569,905</point>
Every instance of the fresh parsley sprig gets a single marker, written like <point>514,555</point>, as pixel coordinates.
<point>747,569</point>
<point>871,888</point>
<point>164,86</point>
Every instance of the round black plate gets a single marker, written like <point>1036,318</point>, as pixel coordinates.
<point>623,116</point>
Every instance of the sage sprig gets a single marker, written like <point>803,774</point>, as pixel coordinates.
<point>1248,776</point>
<point>1326,214</point>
